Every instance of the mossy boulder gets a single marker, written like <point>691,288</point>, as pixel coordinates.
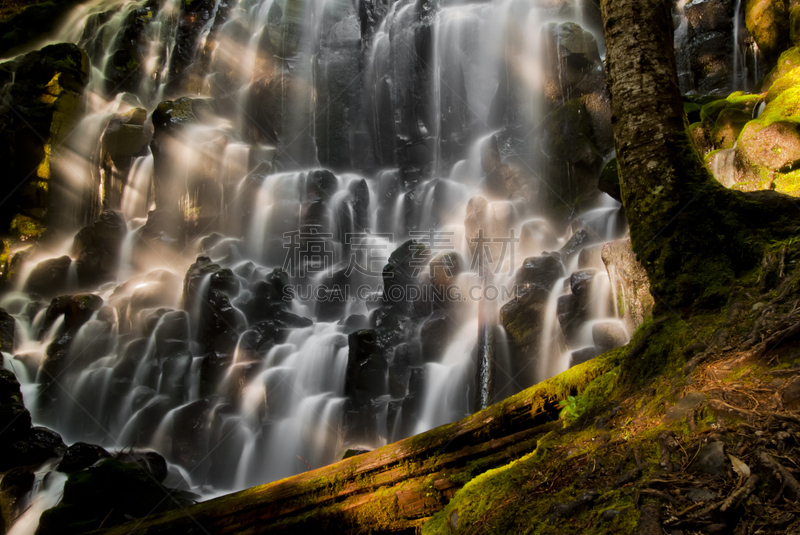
<point>768,148</point>
<point>107,494</point>
<point>772,146</point>
<point>768,23</point>
<point>724,119</point>
<point>788,61</point>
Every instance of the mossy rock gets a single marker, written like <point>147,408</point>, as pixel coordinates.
<point>724,119</point>
<point>768,23</point>
<point>702,138</point>
<point>774,146</point>
<point>784,83</point>
<point>788,61</point>
<point>788,183</point>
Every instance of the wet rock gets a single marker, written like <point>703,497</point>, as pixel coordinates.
<point>356,322</point>
<point>123,139</point>
<point>582,355</point>
<point>111,493</point>
<point>399,376</point>
<point>578,241</point>
<point>608,182</point>
<point>522,316</point>
<point>49,277</point>
<point>336,288</point>
<point>400,275</point>
<point>590,257</point>
<point>705,51</point>
<point>537,235</point>
<point>81,455</point>
<point>125,69</point>
<point>477,220</point>
<point>190,426</point>
<point>160,288</point>
<point>14,488</point>
<point>572,63</point>
<point>435,336</point>
<point>43,103</point>
<point>571,159</point>
<point>411,410</point>
<point>444,268</point>
<point>608,335</point>
<point>710,459</point>
<point>7,326</point>
<point>97,247</point>
<point>541,272</point>
<point>768,23</point>
<point>506,180</point>
<point>408,354</point>
<point>14,417</point>
<point>264,296</point>
<point>629,283</point>
<point>365,381</point>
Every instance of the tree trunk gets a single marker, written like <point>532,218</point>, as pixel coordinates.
<point>692,235</point>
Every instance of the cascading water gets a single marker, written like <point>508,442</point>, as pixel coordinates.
<point>304,329</point>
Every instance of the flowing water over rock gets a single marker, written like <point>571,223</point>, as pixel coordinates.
<point>317,226</point>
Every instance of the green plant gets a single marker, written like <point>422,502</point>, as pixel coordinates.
<point>571,407</point>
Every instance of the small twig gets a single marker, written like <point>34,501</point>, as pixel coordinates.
<point>308,465</point>
<point>741,493</point>
<point>106,518</point>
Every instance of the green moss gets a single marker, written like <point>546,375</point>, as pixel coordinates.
<point>26,228</point>
<point>788,61</point>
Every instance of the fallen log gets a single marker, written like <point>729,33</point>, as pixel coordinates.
<point>392,489</point>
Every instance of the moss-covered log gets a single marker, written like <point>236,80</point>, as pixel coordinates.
<point>392,489</point>
<point>692,235</point>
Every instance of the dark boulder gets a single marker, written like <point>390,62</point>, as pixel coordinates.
<point>435,336</point>
<point>81,455</point>
<point>49,277</point>
<point>540,271</point>
<point>7,326</point>
<point>109,493</point>
<point>365,382</point>
<point>400,275</point>
<point>14,488</point>
<point>608,334</point>
<point>97,248</point>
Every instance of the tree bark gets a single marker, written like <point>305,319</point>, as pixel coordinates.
<point>692,234</point>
